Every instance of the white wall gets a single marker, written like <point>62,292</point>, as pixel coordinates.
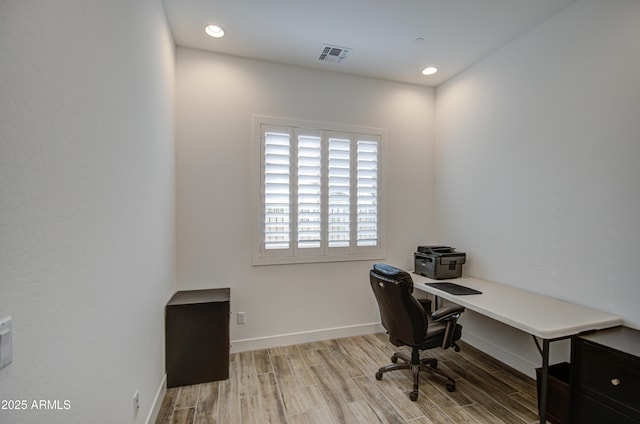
<point>217,96</point>
<point>87,210</point>
<point>538,165</point>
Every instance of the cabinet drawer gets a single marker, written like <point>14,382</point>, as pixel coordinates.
<point>589,411</point>
<point>607,375</point>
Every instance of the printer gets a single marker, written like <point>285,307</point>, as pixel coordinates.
<point>438,262</point>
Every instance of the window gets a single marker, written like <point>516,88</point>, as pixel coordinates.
<point>319,190</point>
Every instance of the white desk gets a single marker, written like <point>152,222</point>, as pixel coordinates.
<point>533,313</point>
<point>541,316</point>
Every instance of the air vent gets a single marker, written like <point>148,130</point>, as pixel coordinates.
<point>333,54</point>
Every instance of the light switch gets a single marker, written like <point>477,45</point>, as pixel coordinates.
<point>6,345</point>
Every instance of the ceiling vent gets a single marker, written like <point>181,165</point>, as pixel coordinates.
<point>333,54</point>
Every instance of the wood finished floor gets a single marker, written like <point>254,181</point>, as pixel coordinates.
<point>333,382</point>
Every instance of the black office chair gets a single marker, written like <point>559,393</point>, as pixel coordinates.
<point>409,325</point>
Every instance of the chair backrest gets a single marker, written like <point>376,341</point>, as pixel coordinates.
<point>401,314</point>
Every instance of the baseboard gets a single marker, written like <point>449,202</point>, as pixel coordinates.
<point>244,345</point>
<point>514,361</point>
<point>157,402</point>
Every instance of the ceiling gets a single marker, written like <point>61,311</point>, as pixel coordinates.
<point>389,39</point>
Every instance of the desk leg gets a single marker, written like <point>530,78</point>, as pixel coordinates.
<point>544,376</point>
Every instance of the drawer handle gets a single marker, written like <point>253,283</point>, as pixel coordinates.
<point>615,382</point>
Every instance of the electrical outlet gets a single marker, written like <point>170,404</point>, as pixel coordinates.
<point>241,317</point>
<point>136,403</point>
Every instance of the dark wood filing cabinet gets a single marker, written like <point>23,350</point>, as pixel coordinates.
<point>197,337</point>
<point>606,377</point>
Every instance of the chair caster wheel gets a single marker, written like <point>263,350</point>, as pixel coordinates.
<point>451,387</point>
<point>413,396</point>
<point>394,359</point>
<point>378,375</point>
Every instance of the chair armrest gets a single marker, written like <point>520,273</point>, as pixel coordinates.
<point>447,313</point>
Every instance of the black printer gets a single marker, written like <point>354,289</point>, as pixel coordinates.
<point>438,262</point>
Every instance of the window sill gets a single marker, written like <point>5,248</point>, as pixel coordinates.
<point>260,261</point>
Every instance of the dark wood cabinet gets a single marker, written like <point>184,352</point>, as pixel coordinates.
<point>606,377</point>
<point>197,336</point>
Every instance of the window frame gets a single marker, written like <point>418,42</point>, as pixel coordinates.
<point>293,254</point>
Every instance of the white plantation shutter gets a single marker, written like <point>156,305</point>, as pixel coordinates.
<point>320,195</point>
<point>277,189</point>
<point>339,192</point>
<point>309,191</point>
<point>367,191</point>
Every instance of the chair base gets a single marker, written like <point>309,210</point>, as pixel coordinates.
<point>415,364</point>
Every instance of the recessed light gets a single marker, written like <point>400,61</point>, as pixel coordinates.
<point>214,31</point>
<point>429,70</point>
